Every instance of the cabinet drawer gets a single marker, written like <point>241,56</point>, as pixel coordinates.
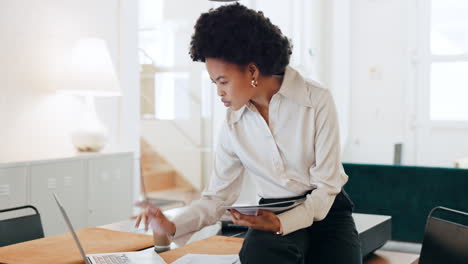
<point>110,189</point>
<point>68,180</point>
<point>13,187</point>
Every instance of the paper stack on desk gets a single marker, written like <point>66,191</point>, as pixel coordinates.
<point>207,259</point>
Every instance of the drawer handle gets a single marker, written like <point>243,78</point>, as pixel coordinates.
<point>5,190</point>
<point>52,183</point>
<point>67,181</point>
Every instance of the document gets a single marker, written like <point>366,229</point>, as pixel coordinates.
<point>208,259</point>
<point>273,207</point>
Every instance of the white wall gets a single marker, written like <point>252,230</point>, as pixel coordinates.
<point>378,39</point>
<point>35,42</point>
<point>336,63</point>
<point>386,102</point>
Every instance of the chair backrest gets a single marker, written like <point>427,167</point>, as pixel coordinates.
<point>20,229</point>
<point>445,240</point>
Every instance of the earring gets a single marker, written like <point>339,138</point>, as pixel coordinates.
<point>254,83</point>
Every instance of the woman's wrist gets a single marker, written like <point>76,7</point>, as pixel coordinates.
<point>279,229</point>
<point>280,232</point>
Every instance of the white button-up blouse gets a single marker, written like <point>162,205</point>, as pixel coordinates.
<point>299,148</point>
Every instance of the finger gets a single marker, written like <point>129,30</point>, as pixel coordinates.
<point>233,219</point>
<point>266,212</point>
<point>235,211</point>
<point>244,223</point>
<point>147,219</point>
<point>138,220</point>
<point>249,218</point>
<point>233,215</point>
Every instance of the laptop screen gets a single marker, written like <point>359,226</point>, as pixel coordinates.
<point>444,242</point>
<point>70,227</point>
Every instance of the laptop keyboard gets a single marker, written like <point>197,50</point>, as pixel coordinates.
<point>111,259</point>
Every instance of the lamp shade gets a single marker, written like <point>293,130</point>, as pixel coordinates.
<point>91,71</point>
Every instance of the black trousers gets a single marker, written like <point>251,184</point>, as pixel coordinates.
<point>334,240</point>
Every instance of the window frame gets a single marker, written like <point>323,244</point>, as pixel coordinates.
<point>424,60</point>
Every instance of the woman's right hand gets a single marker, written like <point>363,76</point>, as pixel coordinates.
<point>153,216</point>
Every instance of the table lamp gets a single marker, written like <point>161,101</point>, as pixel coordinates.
<point>91,73</point>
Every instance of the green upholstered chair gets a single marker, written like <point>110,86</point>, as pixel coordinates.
<point>22,228</point>
<point>407,193</point>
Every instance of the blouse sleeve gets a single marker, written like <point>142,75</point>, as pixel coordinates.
<point>223,189</point>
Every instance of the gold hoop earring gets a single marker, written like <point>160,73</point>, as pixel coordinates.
<point>254,83</point>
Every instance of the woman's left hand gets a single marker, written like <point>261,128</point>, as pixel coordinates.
<point>264,220</point>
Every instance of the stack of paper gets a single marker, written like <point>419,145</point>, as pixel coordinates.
<point>208,259</point>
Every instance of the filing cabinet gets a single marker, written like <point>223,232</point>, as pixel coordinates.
<point>95,189</point>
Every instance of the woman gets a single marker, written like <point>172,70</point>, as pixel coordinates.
<point>282,131</point>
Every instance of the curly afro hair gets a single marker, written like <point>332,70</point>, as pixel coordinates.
<point>240,35</point>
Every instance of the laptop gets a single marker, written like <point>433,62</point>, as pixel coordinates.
<point>445,239</point>
<point>143,257</point>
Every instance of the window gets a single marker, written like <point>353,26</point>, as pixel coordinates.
<point>172,96</point>
<point>447,55</point>
<point>166,83</point>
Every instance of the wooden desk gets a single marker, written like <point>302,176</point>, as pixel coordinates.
<point>391,257</point>
<point>365,225</point>
<point>232,245</point>
<point>219,245</point>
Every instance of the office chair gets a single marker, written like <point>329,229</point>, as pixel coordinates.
<point>445,240</point>
<point>20,229</point>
